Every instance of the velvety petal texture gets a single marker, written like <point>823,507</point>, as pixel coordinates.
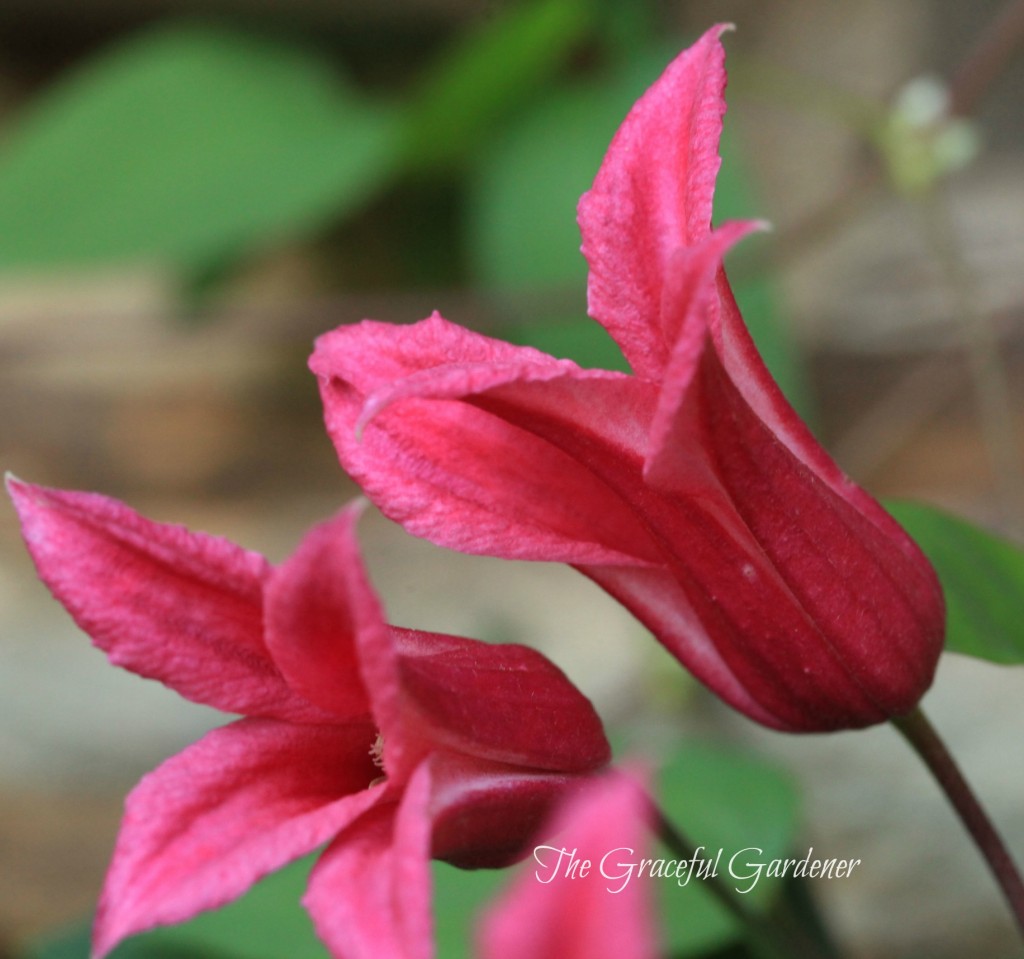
<point>184,608</point>
<point>652,195</point>
<point>391,744</point>
<point>243,801</point>
<point>691,491</point>
<point>369,894</point>
<point>547,915</point>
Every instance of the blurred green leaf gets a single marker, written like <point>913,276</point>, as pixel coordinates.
<point>488,72</point>
<point>982,576</point>
<point>76,943</point>
<point>723,800</point>
<point>521,216</point>
<point>188,144</point>
<point>459,898</point>
<point>522,229</point>
<point>266,923</point>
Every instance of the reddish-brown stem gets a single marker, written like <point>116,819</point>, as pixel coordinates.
<point>925,741</point>
<point>987,58</point>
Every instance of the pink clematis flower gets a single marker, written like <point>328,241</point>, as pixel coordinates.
<point>596,912</point>
<point>690,491</point>
<point>392,745</point>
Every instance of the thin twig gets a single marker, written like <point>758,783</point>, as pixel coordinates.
<point>925,741</point>
<point>989,55</point>
<point>771,937</point>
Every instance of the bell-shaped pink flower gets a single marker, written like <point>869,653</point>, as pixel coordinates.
<point>690,491</point>
<point>580,899</point>
<point>391,744</point>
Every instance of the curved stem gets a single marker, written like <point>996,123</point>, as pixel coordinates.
<point>926,742</point>
<point>989,56</point>
<point>770,937</point>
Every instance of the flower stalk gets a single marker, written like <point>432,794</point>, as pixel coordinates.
<point>921,735</point>
<point>770,937</point>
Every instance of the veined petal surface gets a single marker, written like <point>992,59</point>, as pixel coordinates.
<point>369,894</point>
<point>503,703</point>
<point>243,801</point>
<point>652,195</point>
<point>429,453</point>
<point>311,626</point>
<point>163,602</point>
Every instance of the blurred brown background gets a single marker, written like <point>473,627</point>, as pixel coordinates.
<point>216,424</point>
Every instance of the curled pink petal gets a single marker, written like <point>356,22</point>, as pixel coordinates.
<point>499,475</point>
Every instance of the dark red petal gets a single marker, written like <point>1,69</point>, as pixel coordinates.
<point>857,576</point>
<point>504,703</point>
<point>486,815</point>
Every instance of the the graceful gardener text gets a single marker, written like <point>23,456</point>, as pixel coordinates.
<point>744,868</point>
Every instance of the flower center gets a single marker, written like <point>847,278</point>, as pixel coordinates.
<point>377,755</point>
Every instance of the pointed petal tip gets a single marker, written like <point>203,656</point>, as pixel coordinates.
<point>17,488</point>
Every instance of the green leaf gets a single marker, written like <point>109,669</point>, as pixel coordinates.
<point>982,576</point>
<point>266,923</point>
<point>522,207</point>
<point>723,800</point>
<point>487,73</point>
<point>459,898</point>
<point>189,145</point>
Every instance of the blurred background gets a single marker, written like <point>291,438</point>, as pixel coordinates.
<point>191,192</point>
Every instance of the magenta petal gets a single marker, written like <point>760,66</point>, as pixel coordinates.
<point>244,800</point>
<point>651,196</point>
<point>546,915</point>
<point>433,458</point>
<point>504,703</point>
<point>310,622</point>
<point>369,894</point>
<point>184,608</point>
